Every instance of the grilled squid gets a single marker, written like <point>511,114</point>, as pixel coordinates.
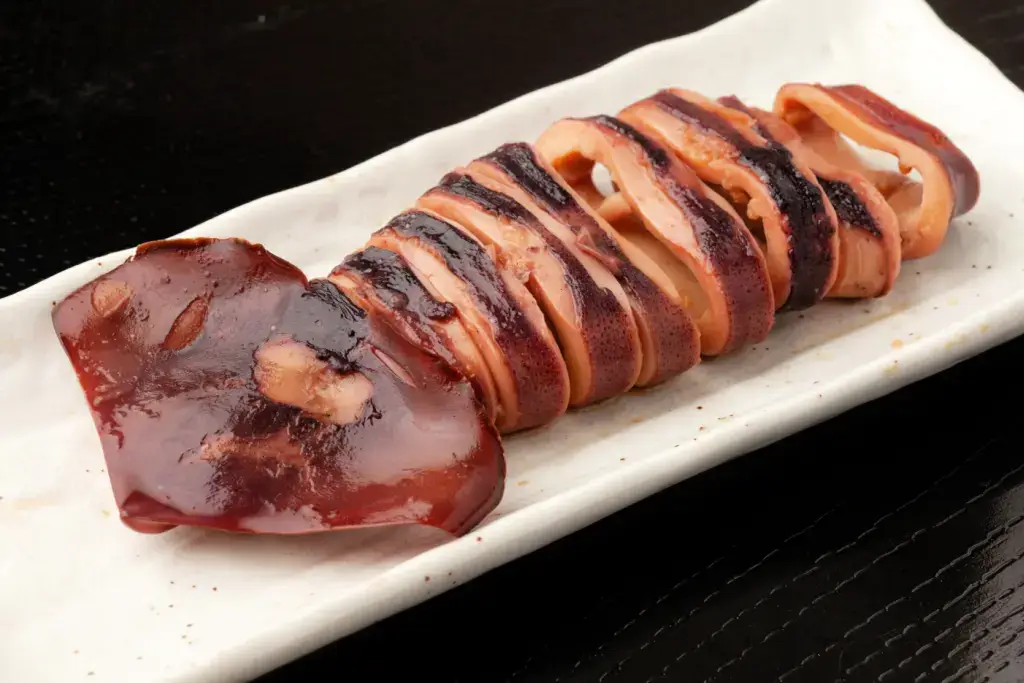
<point>669,339</point>
<point>774,188</point>
<point>587,308</point>
<point>229,392</point>
<point>869,233</point>
<point>380,280</point>
<point>691,232</point>
<point>949,183</point>
<point>502,317</point>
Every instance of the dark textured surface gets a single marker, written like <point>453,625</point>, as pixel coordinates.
<point>882,545</point>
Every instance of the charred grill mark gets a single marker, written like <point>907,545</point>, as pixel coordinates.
<point>468,261</point>
<point>847,204</point>
<point>810,228</point>
<point>416,313</point>
<point>602,320</point>
<point>538,370</point>
<point>518,161</point>
<point>849,207</point>
<point>797,198</point>
<point>657,156</point>
<point>501,205</point>
<point>494,203</point>
<point>668,323</point>
<point>697,115</point>
<point>396,284</point>
<point>519,164</point>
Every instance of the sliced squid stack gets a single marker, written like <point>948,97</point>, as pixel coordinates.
<point>380,280</point>
<point>869,234</point>
<point>669,339</point>
<point>229,392</point>
<point>504,320</point>
<point>586,308</point>
<point>691,232</point>
<point>949,183</point>
<point>775,189</point>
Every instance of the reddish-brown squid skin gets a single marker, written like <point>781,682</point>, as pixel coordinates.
<point>726,277</point>
<point>505,320</point>
<point>950,183</point>
<point>869,231</point>
<point>591,321</point>
<point>230,393</point>
<point>669,338</point>
<point>381,280</point>
<point>770,184</point>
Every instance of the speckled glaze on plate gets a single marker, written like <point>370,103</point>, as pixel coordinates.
<point>83,598</point>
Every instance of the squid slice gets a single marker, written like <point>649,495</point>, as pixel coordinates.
<point>504,320</point>
<point>380,280</point>
<point>669,339</point>
<point>869,232</point>
<point>228,392</point>
<point>770,184</point>
<point>691,232</point>
<point>591,320</point>
<point>949,183</point>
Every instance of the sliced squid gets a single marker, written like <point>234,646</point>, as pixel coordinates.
<point>687,229</point>
<point>228,392</point>
<point>380,280</point>
<point>586,307</point>
<point>949,183</point>
<point>869,236</point>
<point>775,189</point>
<point>669,338</point>
<point>506,323</point>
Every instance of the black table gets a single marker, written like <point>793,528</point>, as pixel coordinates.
<point>883,545</point>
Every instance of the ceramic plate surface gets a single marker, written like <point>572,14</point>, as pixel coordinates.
<point>83,598</point>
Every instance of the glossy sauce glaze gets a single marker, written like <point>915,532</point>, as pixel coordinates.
<point>230,393</point>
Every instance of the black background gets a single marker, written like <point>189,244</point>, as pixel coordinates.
<point>882,545</point>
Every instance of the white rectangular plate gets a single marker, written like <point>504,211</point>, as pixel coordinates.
<point>83,598</point>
